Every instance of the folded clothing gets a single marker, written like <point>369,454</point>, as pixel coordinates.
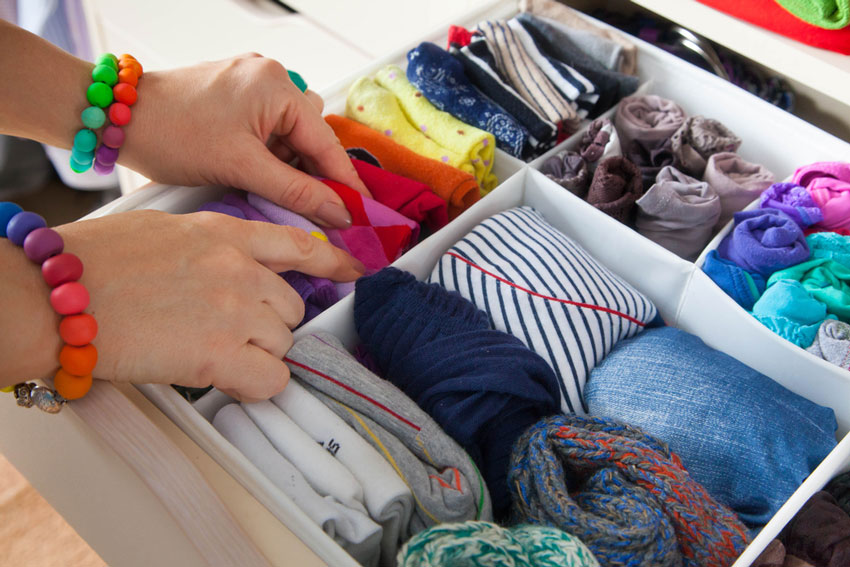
<point>647,120</point>
<point>678,212</point>
<point>826,280</point>
<point>794,201</point>
<point>457,188</point>
<point>739,284</point>
<point>540,286</point>
<point>423,336</point>
<point>698,139</point>
<point>446,484</point>
<point>831,246</point>
<point>622,492</point>
<point>485,543</point>
<point>737,183</point>
<point>832,343</point>
<point>616,186</point>
<point>787,309</point>
<point>600,141</point>
<point>819,533</point>
<point>569,170</point>
<point>829,185</point>
<point>440,77</point>
<point>748,440</point>
<point>411,199</point>
<point>764,241</point>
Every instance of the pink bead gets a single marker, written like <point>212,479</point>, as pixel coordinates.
<point>42,243</point>
<point>102,169</point>
<point>112,136</point>
<point>61,269</point>
<point>69,298</point>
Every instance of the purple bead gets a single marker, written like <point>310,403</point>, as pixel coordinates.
<point>112,136</point>
<point>101,169</point>
<point>22,224</point>
<point>42,243</point>
<point>106,155</point>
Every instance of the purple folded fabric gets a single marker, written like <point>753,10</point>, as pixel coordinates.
<point>219,207</point>
<point>698,139</point>
<point>569,170</point>
<point>764,241</point>
<point>829,185</point>
<point>649,120</point>
<point>238,201</point>
<point>794,201</point>
<point>737,183</point>
<point>317,293</point>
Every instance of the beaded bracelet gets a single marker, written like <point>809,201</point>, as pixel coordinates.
<point>61,271</point>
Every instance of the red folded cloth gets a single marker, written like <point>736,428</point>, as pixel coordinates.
<point>406,196</point>
<point>771,16</point>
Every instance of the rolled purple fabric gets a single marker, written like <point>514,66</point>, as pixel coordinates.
<point>794,201</point>
<point>239,201</point>
<point>615,187</point>
<point>650,159</point>
<point>648,119</point>
<point>737,182</point>
<point>219,207</point>
<point>698,139</point>
<point>318,293</point>
<point>764,241</point>
<point>569,170</point>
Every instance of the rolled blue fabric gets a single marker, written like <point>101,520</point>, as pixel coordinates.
<point>748,440</point>
<point>442,80</point>
<point>764,241</point>
<point>739,284</point>
<point>787,309</point>
<point>794,201</point>
<point>483,387</point>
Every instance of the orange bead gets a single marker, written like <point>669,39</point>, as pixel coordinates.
<point>78,361</point>
<point>131,64</point>
<point>78,330</point>
<point>128,76</point>
<point>127,56</point>
<point>71,387</point>
<point>125,93</point>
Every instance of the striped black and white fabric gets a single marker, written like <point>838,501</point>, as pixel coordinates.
<point>540,286</point>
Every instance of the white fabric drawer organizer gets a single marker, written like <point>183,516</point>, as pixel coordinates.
<point>685,297</point>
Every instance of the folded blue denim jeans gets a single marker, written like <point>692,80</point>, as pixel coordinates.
<point>748,440</point>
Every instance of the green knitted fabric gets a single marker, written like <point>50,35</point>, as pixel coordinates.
<point>827,14</point>
<point>484,544</point>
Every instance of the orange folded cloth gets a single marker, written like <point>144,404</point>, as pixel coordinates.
<point>457,188</point>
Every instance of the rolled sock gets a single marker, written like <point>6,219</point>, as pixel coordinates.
<point>569,170</point>
<point>387,498</point>
<point>457,188</point>
<point>409,198</point>
<point>698,139</point>
<point>696,399</point>
<point>219,207</point>
<point>764,241</point>
<point>832,343</point>
<point>794,201</point>
<point>819,533</point>
<point>600,141</point>
<point>737,183</point>
<point>610,85</point>
<point>445,482</point>
<point>678,212</point>
<point>351,529</point>
<point>648,119</point>
<point>622,492</point>
<point>615,187</point>
<point>441,78</point>
<point>787,309</point>
<point>826,280</point>
<point>538,285</point>
<point>327,476</point>
<point>519,69</point>
<point>480,66</point>
<point>739,284</point>
<point>379,109</point>
<point>422,335</point>
<point>829,185</point>
<point>612,48</point>
<point>826,14</point>
<point>476,147</point>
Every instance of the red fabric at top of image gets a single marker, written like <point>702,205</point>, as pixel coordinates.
<point>771,16</point>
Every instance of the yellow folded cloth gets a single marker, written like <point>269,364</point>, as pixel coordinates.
<point>476,146</point>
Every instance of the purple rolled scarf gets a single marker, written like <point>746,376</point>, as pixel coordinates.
<point>736,182</point>
<point>698,139</point>
<point>648,119</point>
<point>829,185</point>
<point>569,170</point>
<point>794,201</point>
<point>764,241</point>
<point>615,187</point>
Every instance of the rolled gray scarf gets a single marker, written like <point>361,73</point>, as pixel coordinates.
<point>698,139</point>
<point>833,343</point>
<point>648,120</point>
<point>736,182</point>
<point>678,212</point>
<point>569,170</point>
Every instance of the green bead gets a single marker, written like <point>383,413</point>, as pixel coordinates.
<point>93,117</point>
<point>298,80</point>
<point>79,167</point>
<point>109,60</point>
<point>82,157</point>
<point>85,140</point>
<point>99,94</point>
<point>105,74</point>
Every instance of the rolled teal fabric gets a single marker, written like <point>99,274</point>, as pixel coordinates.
<point>787,309</point>
<point>826,280</point>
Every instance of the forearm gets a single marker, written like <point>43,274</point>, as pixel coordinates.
<point>29,338</point>
<point>42,88</point>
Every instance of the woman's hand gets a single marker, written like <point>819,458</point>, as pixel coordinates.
<point>238,122</point>
<point>187,299</point>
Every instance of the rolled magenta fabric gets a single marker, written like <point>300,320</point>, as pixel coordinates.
<point>764,241</point>
<point>828,183</point>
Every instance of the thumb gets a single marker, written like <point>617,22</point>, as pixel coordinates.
<point>261,172</point>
